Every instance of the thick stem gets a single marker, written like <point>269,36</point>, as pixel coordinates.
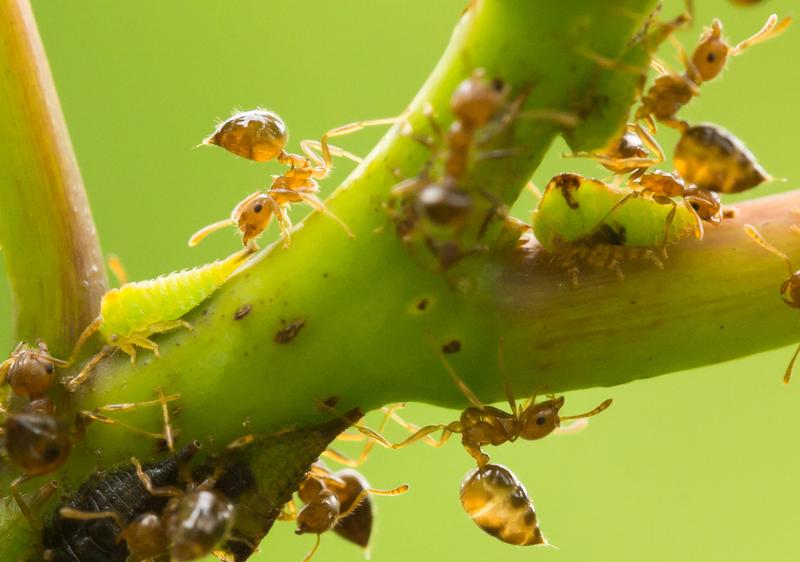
<point>47,234</point>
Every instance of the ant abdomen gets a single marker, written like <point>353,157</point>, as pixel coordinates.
<point>257,135</point>
<point>499,504</point>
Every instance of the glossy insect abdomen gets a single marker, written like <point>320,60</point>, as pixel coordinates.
<point>498,503</point>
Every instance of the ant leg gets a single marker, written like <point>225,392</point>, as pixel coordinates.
<point>530,186</point>
<point>85,335</point>
<point>324,161</point>
<point>790,368</point>
<point>165,491</point>
<point>770,30</point>
<point>314,202</point>
<point>84,373</point>
<point>342,459</point>
<point>751,231</point>
<point>501,362</point>
<point>370,491</point>
<point>23,505</point>
<point>313,146</point>
<point>663,200</point>
<point>465,390</point>
<point>313,551</point>
<point>71,513</point>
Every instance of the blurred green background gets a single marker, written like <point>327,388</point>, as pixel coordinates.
<point>697,466</point>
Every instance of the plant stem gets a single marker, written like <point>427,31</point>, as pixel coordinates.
<point>47,234</point>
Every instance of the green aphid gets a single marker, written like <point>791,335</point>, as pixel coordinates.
<point>579,220</point>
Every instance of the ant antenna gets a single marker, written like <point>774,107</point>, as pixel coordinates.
<point>758,239</point>
<point>594,412</point>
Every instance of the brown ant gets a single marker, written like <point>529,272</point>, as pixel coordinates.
<point>330,499</point>
<point>790,289</point>
<point>671,91</point>
<point>498,503</point>
<point>481,425</point>
<point>30,371</point>
<point>634,153</point>
<point>261,136</point>
<point>440,200</point>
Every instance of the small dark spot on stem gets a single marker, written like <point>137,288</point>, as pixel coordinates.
<point>633,302</point>
<point>423,304</point>
<point>331,401</point>
<point>205,312</point>
<point>289,331</point>
<point>325,275</point>
<point>243,311</point>
<point>453,346</point>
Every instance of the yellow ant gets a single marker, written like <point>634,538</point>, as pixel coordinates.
<point>671,91</point>
<point>261,136</point>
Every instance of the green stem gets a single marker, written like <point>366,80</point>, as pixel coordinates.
<point>47,235</point>
<point>372,319</point>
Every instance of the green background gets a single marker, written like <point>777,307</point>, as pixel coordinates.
<point>697,466</point>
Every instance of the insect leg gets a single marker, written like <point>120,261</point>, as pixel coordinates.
<point>751,231</point>
<point>85,335</point>
<point>167,491</point>
<point>354,463</point>
<point>71,513</point>
<point>84,373</point>
<point>364,493</point>
<point>790,367</point>
<point>23,505</point>
<point>314,202</point>
<point>166,326</point>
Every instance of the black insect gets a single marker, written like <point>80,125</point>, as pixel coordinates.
<point>122,492</point>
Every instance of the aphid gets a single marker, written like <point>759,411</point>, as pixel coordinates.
<point>713,159</point>
<point>671,91</point>
<point>481,425</point>
<point>499,504</point>
<point>132,313</point>
<point>262,136</point>
<point>30,371</point>
<point>581,220</point>
<point>94,525</point>
<point>790,289</point>
<point>633,153</point>
<point>329,499</point>
<point>38,443</point>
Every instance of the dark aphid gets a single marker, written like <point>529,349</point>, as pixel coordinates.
<point>497,501</point>
<point>713,159</point>
<point>444,204</point>
<point>120,492</point>
<point>30,371</point>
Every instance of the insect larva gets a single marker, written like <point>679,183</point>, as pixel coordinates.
<point>132,313</point>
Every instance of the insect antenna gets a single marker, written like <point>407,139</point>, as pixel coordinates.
<point>600,408</point>
<point>758,239</point>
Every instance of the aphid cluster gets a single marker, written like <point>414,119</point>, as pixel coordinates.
<point>591,225</point>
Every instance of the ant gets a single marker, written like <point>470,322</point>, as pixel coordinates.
<point>330,499</point>
<point>30,371</point>
<point>790,289</point>
<point>261,136</point>
<point>498,503</point>
<point>671,91</point>
<point>442,203</point>
<point>481,425</point>
<point>630,155</point>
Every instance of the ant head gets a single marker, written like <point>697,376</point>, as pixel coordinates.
<point>31,373</point>
<point>790,290</point>
<point>318,515</point>
<point>711,53</point>
<point>477,99</point>
<point>539,420</point>
<point>631,146</point>
<point>256,135</point>
<point>254,217</point>
<point>707,204</point>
